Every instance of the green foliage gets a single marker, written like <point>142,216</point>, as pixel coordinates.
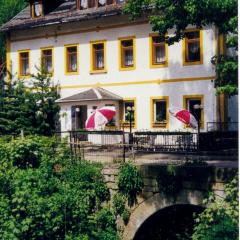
<point>119,202</point>
<point>44,94</point>
<point>227,74</point>
<point>177,15</point>
<point>24,153</point>
<point>53,199</point>
<point>129,182</point>
<point>31,109</point>
<point>126,215</point>
<point>106,223</point>
<point>220,219</point>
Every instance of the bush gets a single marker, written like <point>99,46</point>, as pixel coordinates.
<point>119,204</point>
<point>130,182</point>
<point>219,221</point>
<point>24,153</point>
<point>126,215</point>
<point>45,195</point>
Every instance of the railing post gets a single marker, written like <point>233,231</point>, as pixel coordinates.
<point>124,149</point>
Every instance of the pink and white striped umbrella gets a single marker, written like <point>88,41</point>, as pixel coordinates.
<point>184,116</point>
<point>100,117</point>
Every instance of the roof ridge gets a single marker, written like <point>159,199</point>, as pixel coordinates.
<point>96,90</point>
<point>108,92</point>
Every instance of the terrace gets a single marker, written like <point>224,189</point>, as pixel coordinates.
<point>152,146</point>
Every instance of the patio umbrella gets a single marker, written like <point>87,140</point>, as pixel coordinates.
<point>184,116</point>
<point>100,117</point>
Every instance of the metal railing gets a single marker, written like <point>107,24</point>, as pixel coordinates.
<point>115,146</point>
<point>98,146</point>
<point>165,141</point>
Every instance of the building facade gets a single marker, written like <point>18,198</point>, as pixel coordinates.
<point>100,58</point>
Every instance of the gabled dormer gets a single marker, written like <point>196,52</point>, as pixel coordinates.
<point>39,8</point>
<point>85,4</point>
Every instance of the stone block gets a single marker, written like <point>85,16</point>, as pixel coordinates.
<point>110,171</point>
<point>112,186</point>
<point>109,178</point>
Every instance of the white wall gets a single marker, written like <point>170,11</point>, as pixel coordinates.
<point>142,72</point>
<point>142,92</point>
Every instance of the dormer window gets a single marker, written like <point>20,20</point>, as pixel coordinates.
<point>37,9</point>
<point>84,4</point>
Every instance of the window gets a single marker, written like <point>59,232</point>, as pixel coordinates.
<point>47,60</point>
<point>189,102</point>
<point>192,47</point>
<point>24,70</point>
<point>129,112</point>
<point>159,112</point>
<point>158,51</point>
<point>37,9</point>
<point>84,4</point>
<point>71,57</point>
<point>98,56</point>
<point>127,54</point>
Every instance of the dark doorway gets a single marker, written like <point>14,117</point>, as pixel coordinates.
<point>79,117</point>
<point>171,223</point>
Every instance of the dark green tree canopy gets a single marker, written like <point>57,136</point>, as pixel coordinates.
<point>29,108</point>
<point>178,14</point>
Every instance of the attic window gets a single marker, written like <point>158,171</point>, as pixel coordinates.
<point>84,4</point>
<point>37,9</point>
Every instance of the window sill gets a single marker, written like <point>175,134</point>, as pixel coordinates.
<point>98,71</point>
<point>127,125</point>
<point>127,68</point>
<point>159,65</point>
<point>24,76</point>
<point>159,125</point>
<point>71,73</point>
<point>192,63</point>
<point>49,74</point>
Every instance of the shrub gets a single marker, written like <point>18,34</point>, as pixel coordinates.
<point>129,182</point>
<point>220,219</point>
<point>126,215</point>
<point>45,195</point>
<point>24,153</point>
<point>119,204</point>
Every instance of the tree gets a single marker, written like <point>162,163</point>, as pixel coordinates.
<point>14,113</point>
<point>31,108</point>
<point>44,94</point>
<point>219,221</point>
<point>167,14</point>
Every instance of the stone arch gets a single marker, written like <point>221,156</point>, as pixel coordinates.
<point>155,203</point>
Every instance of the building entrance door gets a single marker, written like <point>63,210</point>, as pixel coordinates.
<point>79,117</point>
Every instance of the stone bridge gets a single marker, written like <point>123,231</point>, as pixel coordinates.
<point>189,187</point>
